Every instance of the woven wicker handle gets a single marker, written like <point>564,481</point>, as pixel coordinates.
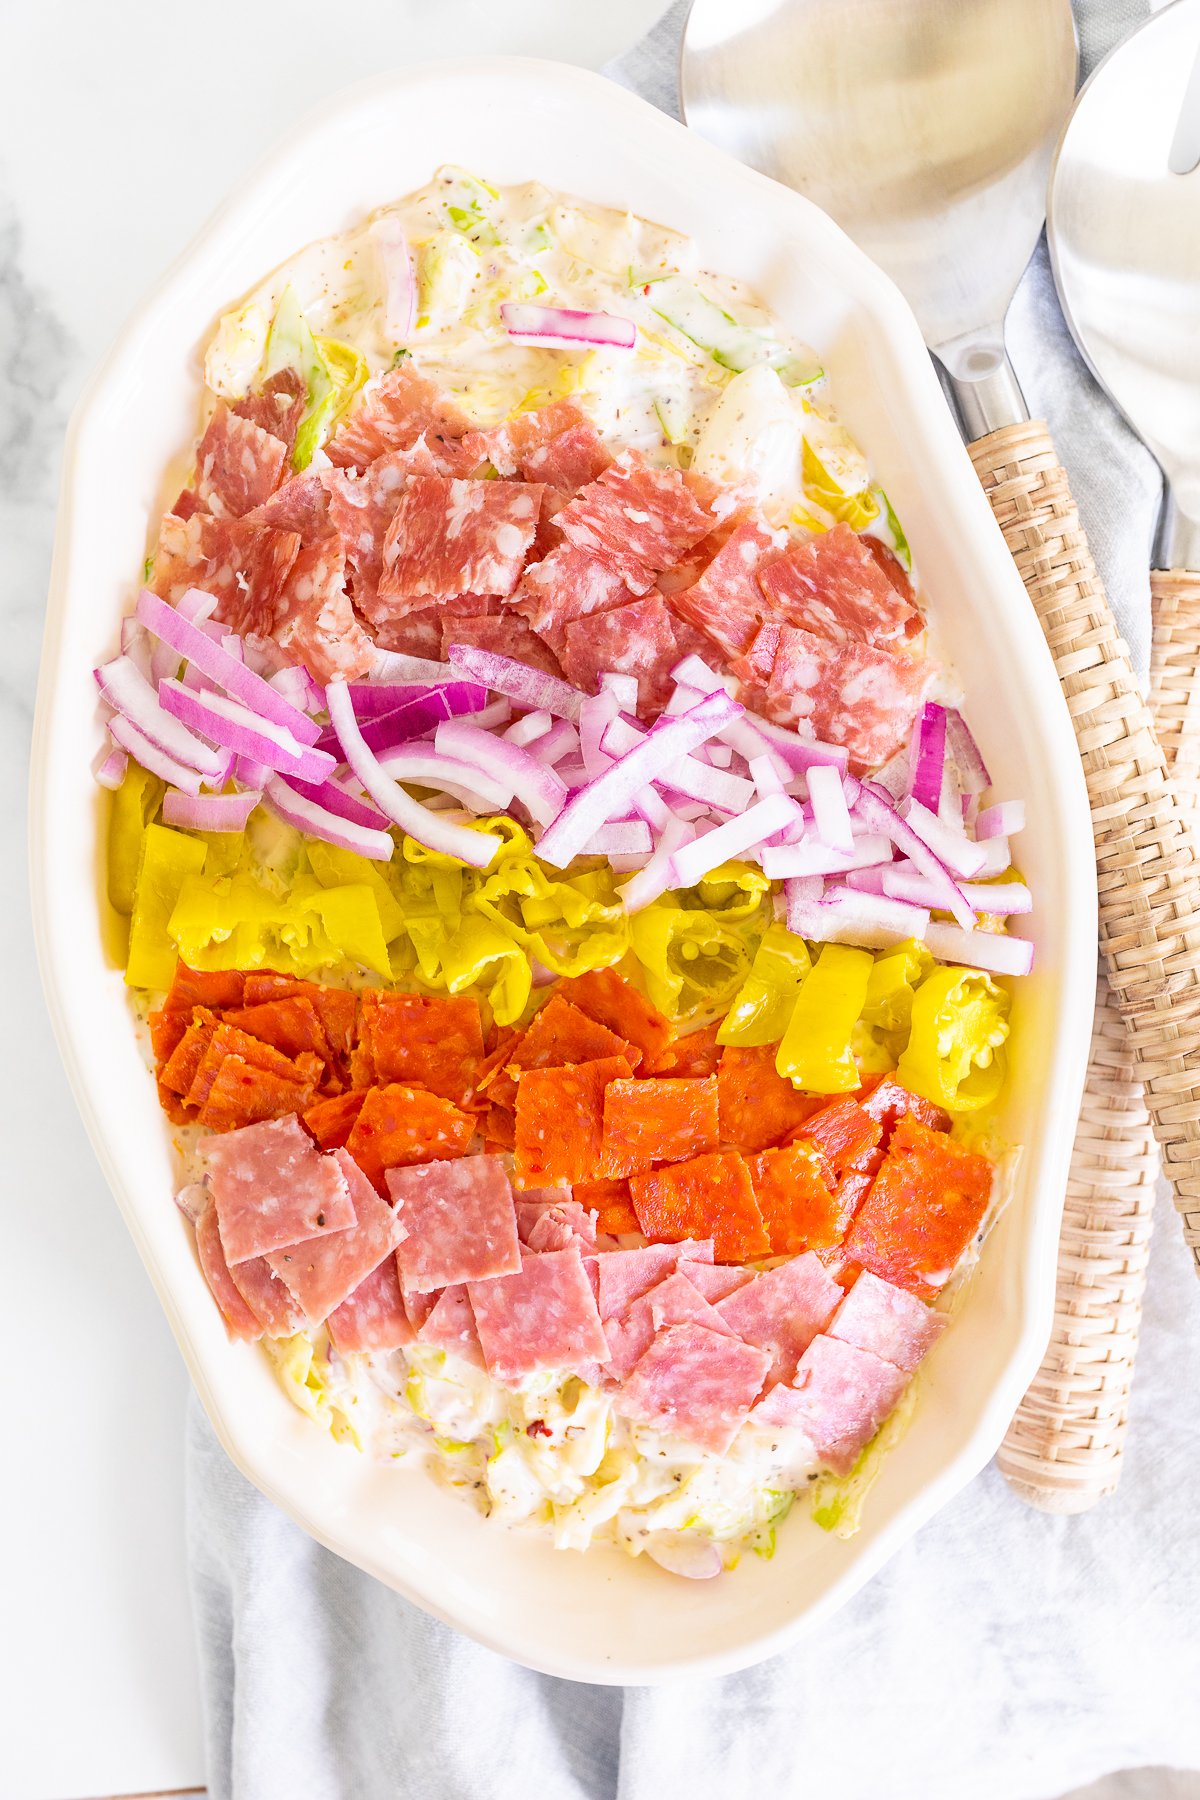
<point>1149,890</point>
<point>1175,676</point>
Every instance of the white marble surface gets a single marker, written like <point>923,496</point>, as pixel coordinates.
<point>126,128</point>
<point>122,130</point>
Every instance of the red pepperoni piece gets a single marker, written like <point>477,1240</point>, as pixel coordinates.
<point>391,413</point>
<point>567,585</point>
<point>832,585</point>
<point>637,639</point>
<point>726,603</point>
<point>639,519</point>
<point>238,464</point>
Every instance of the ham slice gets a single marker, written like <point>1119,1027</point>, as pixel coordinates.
<point>459,1221</point>
<point>272,1187</point>
<point>542,1317</point>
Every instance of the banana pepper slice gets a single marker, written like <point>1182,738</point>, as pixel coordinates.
<point>764,1003</point>
<point>955,1053</point>
<point>817,1051</point>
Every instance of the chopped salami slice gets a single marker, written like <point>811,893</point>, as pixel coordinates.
<point>216,988</point>
<point>924,1207</point>
<point>398,1126</point>
<point>569,460</point>
<point>272,1187</point>
<point>891,565</point>
<point>886,1320</point>
<point>566,586</point>
<point>656,1121</point>
<point>716,1282</point>
<point>674,1301</point>
<point>391,413</point>
<point>245,566</point>
<point>460,1222</point>
<point>451,1325</point>
<point>637,639</point>
<point>238,464</point>
<point>610,1203</point>
<point>802,1205</point>
<point>726,603</point>
<point>326,1270</point>
<point>300,505</point>
<point>695,1384</point>
<point>783,1309</point>
<point>555,1224</point>
<point>536,441</point>
<point>840,1398</point>
<point>315,624</point>
<point>708,1196</point>
<point>560,1034</point>
<point>167,1029</point>
<point>639,519</point>
<point>267,1297</point>
<point>832,585</point>
<point>182,1066</point>
<point>373,1318</point>
<point>541,1317</point>
<point>430,1041</point>
<point>505,634</point>
<point>458,537</point>
<point>611,1000</point>
<point>240,1322</point>
<point>417,633</point>
<point>852,695</point>
<point>560,1120</point>
<point>625,1275</point>
<point>278,406</point>
<point>361,507</point>
<point>331,1121</point>
<point>694,1055</point>
<point>759,1107</point>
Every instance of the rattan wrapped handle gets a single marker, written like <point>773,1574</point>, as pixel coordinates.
<point>1063,1450</point>
<point>1149,887</point>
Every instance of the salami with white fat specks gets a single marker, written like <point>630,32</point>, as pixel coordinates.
<point>452,537</point>
<point>459,1220</point>
<point>272,1187</point>
<point>695,1383</point>
<point>542,1317</point>
<point>639,519</point>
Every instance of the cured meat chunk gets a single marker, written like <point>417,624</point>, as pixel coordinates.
<point>709,1196</point>
<point>924,1207</point>
<point>692,1056</point>
<point>560,1120</point>
<point>361,507</point>
<point>278,406</point>
<point>566,586</point>
<point>637,639</point>
<point>625,1275</point>
<point>695,1384</point>
<point>326,1270</point>
<point>215,988</point>
<point>611,1000</point>
<point>674,1301</point>
<point>569,460</point>
<point>373,1317</point>
<point>888,1321</point>
<point>505,634</point>
<point>430,1041</point>
<point>417,1306</point>
<point>182,1066</point>
<point>782,1310</point>
<point>640,520</point>
<point>392,412</point>
<point>244,1094</point>
<point>852,695</point>
<point>315,622</point>
<point>451,1325</point>
<point>888,1102</point>
<point>458,537</point>
<point>337,1008</point>
<point>555,1224</point>
<point>300,505</point>
<point>238,464</point>
<point>716,1282</point>
<point>398,1126</point>
<point>331,1121</point>
<point>289,1025</point>
<point>272,1187</point>
<point>759,1107</point>
<point>557,444</point>
<point>726,603</point>
<point>541,1317</point>
<point>560,1034</point>
<point>240,1322</point>
<point>460,1222</point>
<point>244,565</point>
<point>167,1029</point>
<point>648,1122</point>
<point>802,1208</point>
<point>832,585</point>
<point>610,1202</point>
<point>840,1398</point>
<point>845,1133</point>
<point>267,1297</point>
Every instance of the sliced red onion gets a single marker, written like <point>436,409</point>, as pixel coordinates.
<point>997,858</point>
<point>878,815</point>
<point>496,713</point>
<point>764,773</point>
<point>252,774</point>
<point>308,817</point>
<point>192,1200</point>
<point>624,689</point>
<point>196,605</point>
<point>750,736</point>
<point>621,837</point>
<point>295,684</point>
<point>251,692</point>
<point>596,714</point>
<point>655,878</point>
<point>649,804</point>
<point>721,757</point>
<point>332,797</point>
<point>844,916</point>
<point>735,838</point>
<point>831,815</point>
<point>372,699</point>
<point>562,740</point>
<point>449,778</point>
<point>794,861</point>
<point>562,327</point>
<point>687,775</point>
<point>232,725</point>
<point>692,671</point>
<point>208,812</point>
<point>998,955</point>
<point>1001,820</point>
<point>126,689</point>
<point>136,744</point>
<point>397,666</point>
<point>968,758</point>
<point>232,645</point>
<point>532,689</point>
<point>949,843</point>
<point>612,793</point>
<point>520,775</point>
<point>532,725</point>
<point>399,277</point>
<point>109,766</point>
<point>476,848</point>
<point>424,709</point>
<point>894,777</point>
<point>903,882</point>
<point>928,756</point>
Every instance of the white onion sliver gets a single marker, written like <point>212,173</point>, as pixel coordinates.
<point>1001,820</point>
<point>126,689</point>
<point>831,815</point>
<point>136,744</point>
<point>209,812</point>
<point>232,725</point>
<point>655,878</point>
<point>530,688</point>
<point>533,783</point>
<point>735,838</point>
<point>949,843</point>
<point>110,765</point>
<point>556,327</point>
<point>533,725</point>
<point>844,916</point>
<point>496,712</point>
<point>1002,898</point>
<point>620,837</point>
<point>764,773</point>
<point>687,774</point>
<point>787,861</point>
<point>196,605</point>
<point>987,950</point>
<point>997,858</point>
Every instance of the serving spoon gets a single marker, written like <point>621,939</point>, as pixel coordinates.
<point>926,129</point>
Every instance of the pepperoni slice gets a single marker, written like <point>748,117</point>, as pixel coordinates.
<point>397,1126</point>
<point>798,1199</point>
<point>924,1207</point>
<point>697,1053</point>
<point>759,1107</point>
<point>216,988</point>
<point>560,1034</point>
<point>241,1093</point>
<point>429,1041</point>
<point>610,1202</point>
<point>611,1000</point>
<point>709,1196</point>
<point>649,1122</point>
<point>331,1121</point>
<point>560,1120</point>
